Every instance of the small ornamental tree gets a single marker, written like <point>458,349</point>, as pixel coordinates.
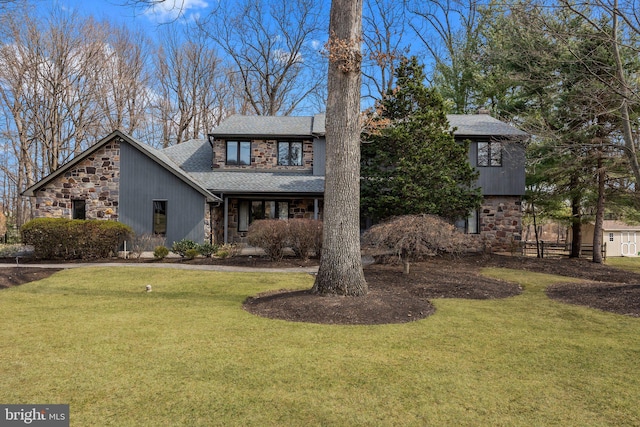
<point>414,237</point>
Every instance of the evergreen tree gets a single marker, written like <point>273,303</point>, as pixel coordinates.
<point>411,163</point>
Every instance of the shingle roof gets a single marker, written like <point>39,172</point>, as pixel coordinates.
<point>612,225</point>
<point>265,126</point>
<point>482,125</point>
<point>194,157</point>
<point>260,182</point>
<point>273,126</point>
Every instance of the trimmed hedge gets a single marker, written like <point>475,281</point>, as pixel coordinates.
<point>59,238</point>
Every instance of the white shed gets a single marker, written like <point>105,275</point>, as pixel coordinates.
<point>621,239</point>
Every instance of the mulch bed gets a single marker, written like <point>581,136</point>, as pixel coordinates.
<point>395,297</point>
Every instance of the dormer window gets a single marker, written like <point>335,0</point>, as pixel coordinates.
<point>289,153</point>
<point>238,153</point>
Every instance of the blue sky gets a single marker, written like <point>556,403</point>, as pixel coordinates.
<point>117,12</point>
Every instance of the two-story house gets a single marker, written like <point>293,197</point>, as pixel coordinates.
<point>254,167</point>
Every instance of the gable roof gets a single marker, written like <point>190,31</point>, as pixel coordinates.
<point>613,225</point>
<point>156,155</point>
<point>482,125</point>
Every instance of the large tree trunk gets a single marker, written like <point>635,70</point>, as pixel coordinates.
<point>627,131</point>
<point>576,228</point>
<point>340,269</point>
<point>597,229</point>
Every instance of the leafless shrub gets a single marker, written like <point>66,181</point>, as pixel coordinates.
<point>229,250</point>
<point>145,243</point>
<point>413,237</point>
<point>305,237</point>
<point>271,235</point>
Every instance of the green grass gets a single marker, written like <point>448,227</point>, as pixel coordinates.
<point>626,263</point>
<point>187,354</point>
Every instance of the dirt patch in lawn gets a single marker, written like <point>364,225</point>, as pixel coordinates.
<point>15,276</point>
<point>394,297</point>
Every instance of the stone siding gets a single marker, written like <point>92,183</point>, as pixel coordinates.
<point>500,224</point>
<point>298,208</point>
<point>264,155</point>
<point>95,180</point>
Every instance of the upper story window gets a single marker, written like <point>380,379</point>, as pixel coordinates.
<point>238,152</point>
<point>489,153</point>
<point>290,153</point>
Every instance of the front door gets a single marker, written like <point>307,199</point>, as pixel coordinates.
<point>628,243</point>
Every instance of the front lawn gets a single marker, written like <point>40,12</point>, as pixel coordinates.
<point>187,354</point>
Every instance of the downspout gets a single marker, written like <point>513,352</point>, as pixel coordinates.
<point>316,209</point>
<point>211,225</point>
<point>226,219</point>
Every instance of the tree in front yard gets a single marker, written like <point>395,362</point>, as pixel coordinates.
<point>414,237</point>
<point>411,163</point>
<point>340,271</point>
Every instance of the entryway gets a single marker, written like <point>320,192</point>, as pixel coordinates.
<point>628,244</point>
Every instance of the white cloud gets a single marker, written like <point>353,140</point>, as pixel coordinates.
<point>170,10</point>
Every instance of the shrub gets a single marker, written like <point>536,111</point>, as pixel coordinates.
<point>191,253</point>
<point>160,252</point>
<point>207,249</point>
<point>145,243</point>
<point>305,236</point>
<point>183,246</point>
<point>54,238</point>
<point>413,237</point>
<point>228,250</point>
<point>271,235</point>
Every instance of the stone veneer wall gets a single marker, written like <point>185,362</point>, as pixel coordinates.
<point>500,224</point>
<point>95,179</point>
<point>298,208</point>
<point>264,155</point>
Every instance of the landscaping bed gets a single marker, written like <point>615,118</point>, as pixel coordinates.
<point>394,297</point>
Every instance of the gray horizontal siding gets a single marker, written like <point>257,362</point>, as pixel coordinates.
<point>141,181</point>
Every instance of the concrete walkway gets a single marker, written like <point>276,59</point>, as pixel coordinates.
<point>176,265</point>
